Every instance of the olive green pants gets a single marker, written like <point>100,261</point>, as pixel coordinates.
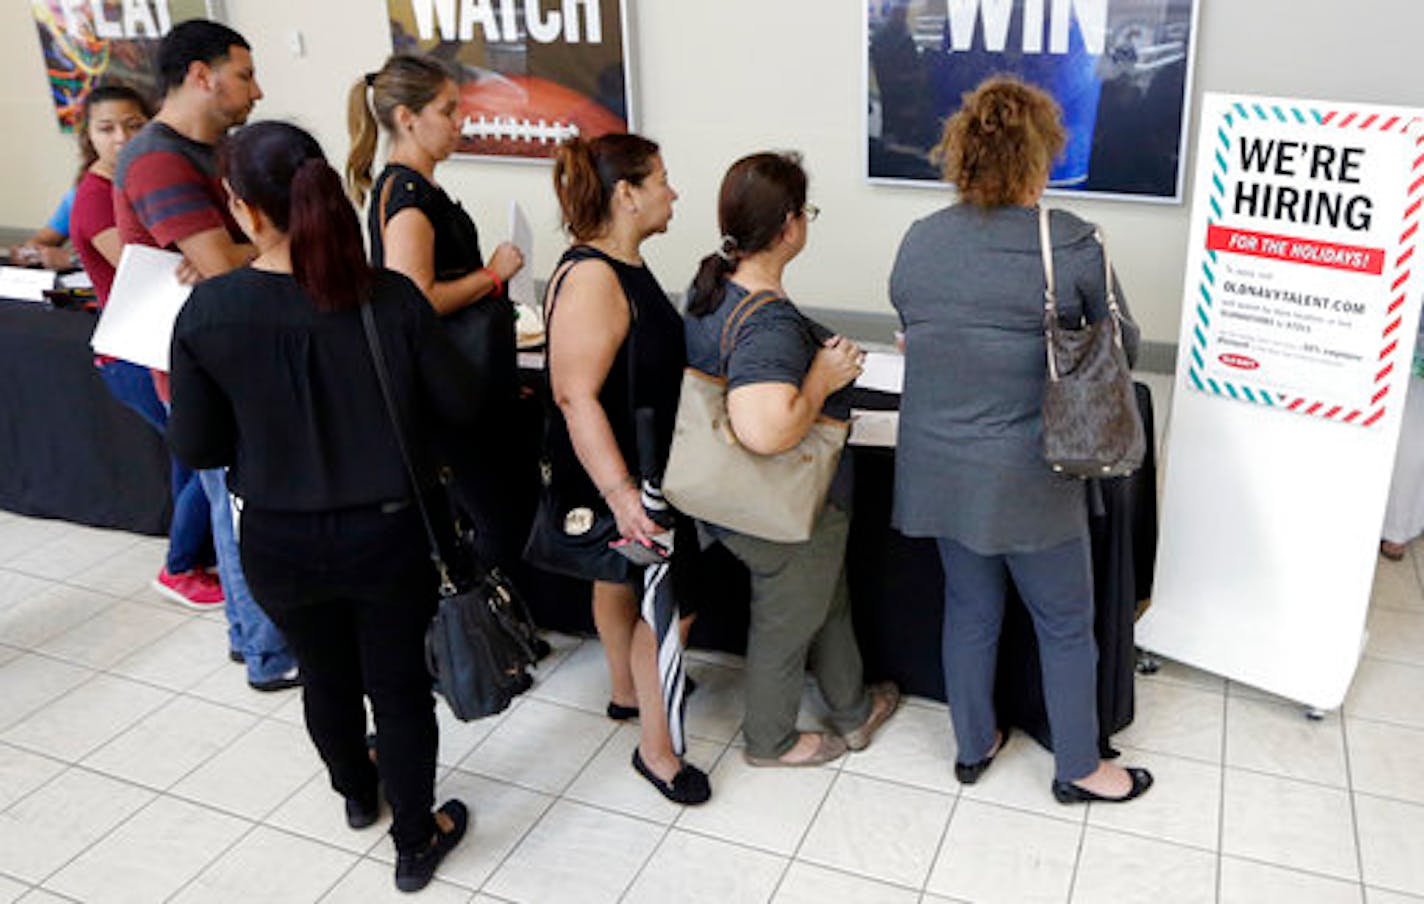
<point>800,617</point>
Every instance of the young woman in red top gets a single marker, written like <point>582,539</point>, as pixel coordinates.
<point>112,115</point>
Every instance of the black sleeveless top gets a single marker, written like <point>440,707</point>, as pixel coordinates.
<point>642,384</point>
<point>483,331</point>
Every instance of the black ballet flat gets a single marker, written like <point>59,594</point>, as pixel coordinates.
<point>620,713</point>
<point>689,787</point>
<point>969,773</point>
<point>1069,793</point>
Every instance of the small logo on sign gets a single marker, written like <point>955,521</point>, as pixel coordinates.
<point>1240,362</point>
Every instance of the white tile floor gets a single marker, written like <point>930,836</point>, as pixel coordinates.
<point>136,766</point>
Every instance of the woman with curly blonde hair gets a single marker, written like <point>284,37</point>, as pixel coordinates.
<point>969,285</point>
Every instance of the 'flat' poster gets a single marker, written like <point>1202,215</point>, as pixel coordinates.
<point>1120,69</point>
<point>534,72</point>
<point>86,42</point>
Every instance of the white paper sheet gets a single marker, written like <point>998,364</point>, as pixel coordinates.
<point>25,283</point>
<point>874,428</point>
<point>529,328</point>
<point>137,323</point>
<point>884,371</point>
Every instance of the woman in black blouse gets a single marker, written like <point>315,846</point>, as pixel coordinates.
<point>272,377</point>
<point>417,229</point>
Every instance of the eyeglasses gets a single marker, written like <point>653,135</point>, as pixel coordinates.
<point>811,211</point>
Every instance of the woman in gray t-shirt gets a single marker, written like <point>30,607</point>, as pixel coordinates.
<point>783,370</point>
<point>968,284</point>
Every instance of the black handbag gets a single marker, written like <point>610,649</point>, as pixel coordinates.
<point>476,652</point>
<point>1091,425</point>
<point>571,536</point>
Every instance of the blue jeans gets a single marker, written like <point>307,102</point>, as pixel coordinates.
<point>189,540</point>
<point>1057,588</point>
<point>249,630</point>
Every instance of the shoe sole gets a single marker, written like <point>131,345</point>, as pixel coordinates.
<point>182,600</point>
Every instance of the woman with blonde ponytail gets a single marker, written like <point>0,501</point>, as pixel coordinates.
<point>415,228</point>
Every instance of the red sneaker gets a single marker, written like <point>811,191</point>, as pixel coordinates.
<point>195,589</point>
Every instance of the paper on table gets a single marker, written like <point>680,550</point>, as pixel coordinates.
<point>25,283</point>
<point>137,323</point>
<point>529,328</point>
<point>884,371</point>
<point>874,428</point>
<point>76,280</point>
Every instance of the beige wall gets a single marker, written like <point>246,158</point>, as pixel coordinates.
<point>717,79</point>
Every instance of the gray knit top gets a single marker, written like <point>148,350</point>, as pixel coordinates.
<point>968,285</point>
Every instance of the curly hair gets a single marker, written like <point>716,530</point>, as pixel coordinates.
<point>1002,141</point>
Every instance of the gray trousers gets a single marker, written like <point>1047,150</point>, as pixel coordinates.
<point>800,615</point>
<point>1057,587</point>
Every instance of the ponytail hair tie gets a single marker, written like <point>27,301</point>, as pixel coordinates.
<point>371,79</point>
<point>727,250</point>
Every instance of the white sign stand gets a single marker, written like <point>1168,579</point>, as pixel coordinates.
<point>1302,298</point>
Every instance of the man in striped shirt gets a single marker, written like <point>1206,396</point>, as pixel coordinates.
<point>168,194</point>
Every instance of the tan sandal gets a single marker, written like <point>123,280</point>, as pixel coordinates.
<point>828,747</point>
<point>859,738</point>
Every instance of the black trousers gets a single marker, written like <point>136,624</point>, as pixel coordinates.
<point>353,591</point>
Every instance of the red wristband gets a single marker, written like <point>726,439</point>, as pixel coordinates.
<point>494,278</point>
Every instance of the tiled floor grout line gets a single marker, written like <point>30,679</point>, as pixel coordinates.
<point>252,827</point>
<point>943,837</point>
<point>633,880</point>
<point>99,840</point>
<point>549,805</point>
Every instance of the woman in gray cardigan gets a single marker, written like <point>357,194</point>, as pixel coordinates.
<point>968,284</point>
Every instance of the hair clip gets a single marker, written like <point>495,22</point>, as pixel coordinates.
<point>727,249</point>
<point>371,79</point>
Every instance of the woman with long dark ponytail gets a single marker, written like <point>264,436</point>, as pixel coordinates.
<point>784,370</point>
<point>272,377</point>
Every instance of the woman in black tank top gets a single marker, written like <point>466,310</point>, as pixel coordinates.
<point>616,350</point>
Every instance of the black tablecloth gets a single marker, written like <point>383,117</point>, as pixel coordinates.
<point>67,448</point>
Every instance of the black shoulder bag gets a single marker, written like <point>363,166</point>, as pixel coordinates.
<point>569,536</point>
<point>475,648</point>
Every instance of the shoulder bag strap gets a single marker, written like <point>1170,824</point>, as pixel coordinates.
<point>744,309</point>
<point>373,339</point>
<point>1114,310</point>
<point>1050,299</point>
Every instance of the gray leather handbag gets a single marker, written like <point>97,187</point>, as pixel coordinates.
<point>1091,425</point>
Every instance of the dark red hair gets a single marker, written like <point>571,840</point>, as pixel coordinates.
<point>280,170</point>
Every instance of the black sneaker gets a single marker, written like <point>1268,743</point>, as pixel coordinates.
<point>414,871</point>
